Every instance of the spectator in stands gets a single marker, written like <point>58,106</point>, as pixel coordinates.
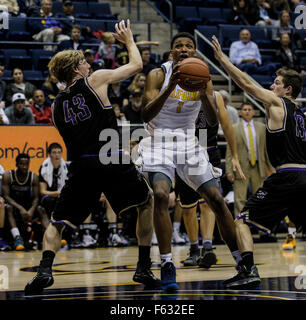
<point>19,86</point>
<point>282,26</point>
<point>295,3</point>
<point>3,118</point>
<point>145,56</point>
<point>231,111</point>
<point>251,142</point>
<point>132,110</point>
<point>121,119</point>
<point>138,82</point>
<point>51,88</point>
<point>267,16</point>
<point>246,56</point>
<point>2,86</point>
<point>90,58</point>
<point>118,95</point>
<point>121,54</point>
<point>21,192</point>
<point>280,5</point>
<point>74,43</point>
<point>245,13</point>
<point>42,112</point>
<point>107,51</point>
<point>18,113</point>
<point>13,7</point>
<point>286,55</point>
<point>69,22</point>
<point>47,29</point>
<point>27,6</point>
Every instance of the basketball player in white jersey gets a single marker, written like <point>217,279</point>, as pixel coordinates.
<point>170,113</point>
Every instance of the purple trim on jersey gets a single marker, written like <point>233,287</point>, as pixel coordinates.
<point>291,169</point>
<point>284,120</point>
<point>212,148</point>
<point>62,222</point>
<point>97,96</point>
<point>96,155</point>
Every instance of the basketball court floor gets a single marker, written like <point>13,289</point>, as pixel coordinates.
<point>106,274</point>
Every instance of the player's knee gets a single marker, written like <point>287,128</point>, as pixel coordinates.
<point>216,200</point>
<point>161,197</point>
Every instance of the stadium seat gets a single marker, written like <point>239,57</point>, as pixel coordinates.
<point>110,25</point>
<point>7,75</point>
<point>41,58</point>
<point>183,12</point>
<point>18,30</point>
<point>101,10</point>
<point>214,3</point>
<point>212,16</point>
<point>304,93</point>
<point>94,25</point>
<point>34,76</point>
<point>57,7</point>
<point>80,7</point>
<point>264,80</point>
<point>208,32</point>
<point>17,58</point>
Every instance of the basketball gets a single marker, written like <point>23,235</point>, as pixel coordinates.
<point>194,74</point>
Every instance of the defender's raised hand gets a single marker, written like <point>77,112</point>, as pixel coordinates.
<point>217,48</point>
<point>123,32</point>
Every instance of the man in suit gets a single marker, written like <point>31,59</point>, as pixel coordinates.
<point>251,146</point>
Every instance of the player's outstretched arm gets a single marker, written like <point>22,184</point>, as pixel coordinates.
<point>229,134</point>
<point>125,35</point>
<point>242,80</point>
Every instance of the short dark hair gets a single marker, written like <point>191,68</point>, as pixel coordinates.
<point>22,156</point>
<point>291,78</point>
<point>142,49</point>
<point>247,104</point>
<point>183,35</point>
<point>76,26</point>
<point>54,145</point>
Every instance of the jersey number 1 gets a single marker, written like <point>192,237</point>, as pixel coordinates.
<point>179,107</point>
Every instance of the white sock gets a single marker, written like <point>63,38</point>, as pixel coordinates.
<point>237,256</point>
<point>292,231</point>
<point>176,226</point>
<point>165,258</point>
<point>15,232</point>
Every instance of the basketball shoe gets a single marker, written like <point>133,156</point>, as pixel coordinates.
<point>145,276</point>
<point>168,277</point>
<point>207,258</point>
<point>192,259</point>
<point>19,244</point>
<point>244,277</point>
<point>42,280</point>
<point>290,243</point>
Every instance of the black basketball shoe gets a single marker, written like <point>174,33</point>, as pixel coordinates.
<point>243,278</point>
<point>42,280</point>
<point>145,276</point>
<point>207,258</point>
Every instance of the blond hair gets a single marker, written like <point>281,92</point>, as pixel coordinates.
<point>107,36</point>
<point>133,85</point>
<point>62,65</point>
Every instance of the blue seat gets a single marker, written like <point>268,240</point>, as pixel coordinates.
<point>214,3</point>
<point>100,10</point>
<point>80,7</point>
<point>18,30</point>
<point>228,34</point>
<point>212,16</point>
<point>264,80</point>
<point>17,58</point>
<point>304,80</point>
<point>41,58</point>
<point>7,75</point>
<point>304,93</point>
<point>265,58</point>
<point>208,31</point>
<point>303,61</point>
<point>182,12</point>
<point>110,25</point>
<point>94,25</point>
<point>57,7</point>
<point>34,76</point>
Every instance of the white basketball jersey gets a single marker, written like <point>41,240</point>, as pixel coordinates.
<point>181,108</point>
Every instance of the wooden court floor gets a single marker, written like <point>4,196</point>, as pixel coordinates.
<point>106,274</point>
